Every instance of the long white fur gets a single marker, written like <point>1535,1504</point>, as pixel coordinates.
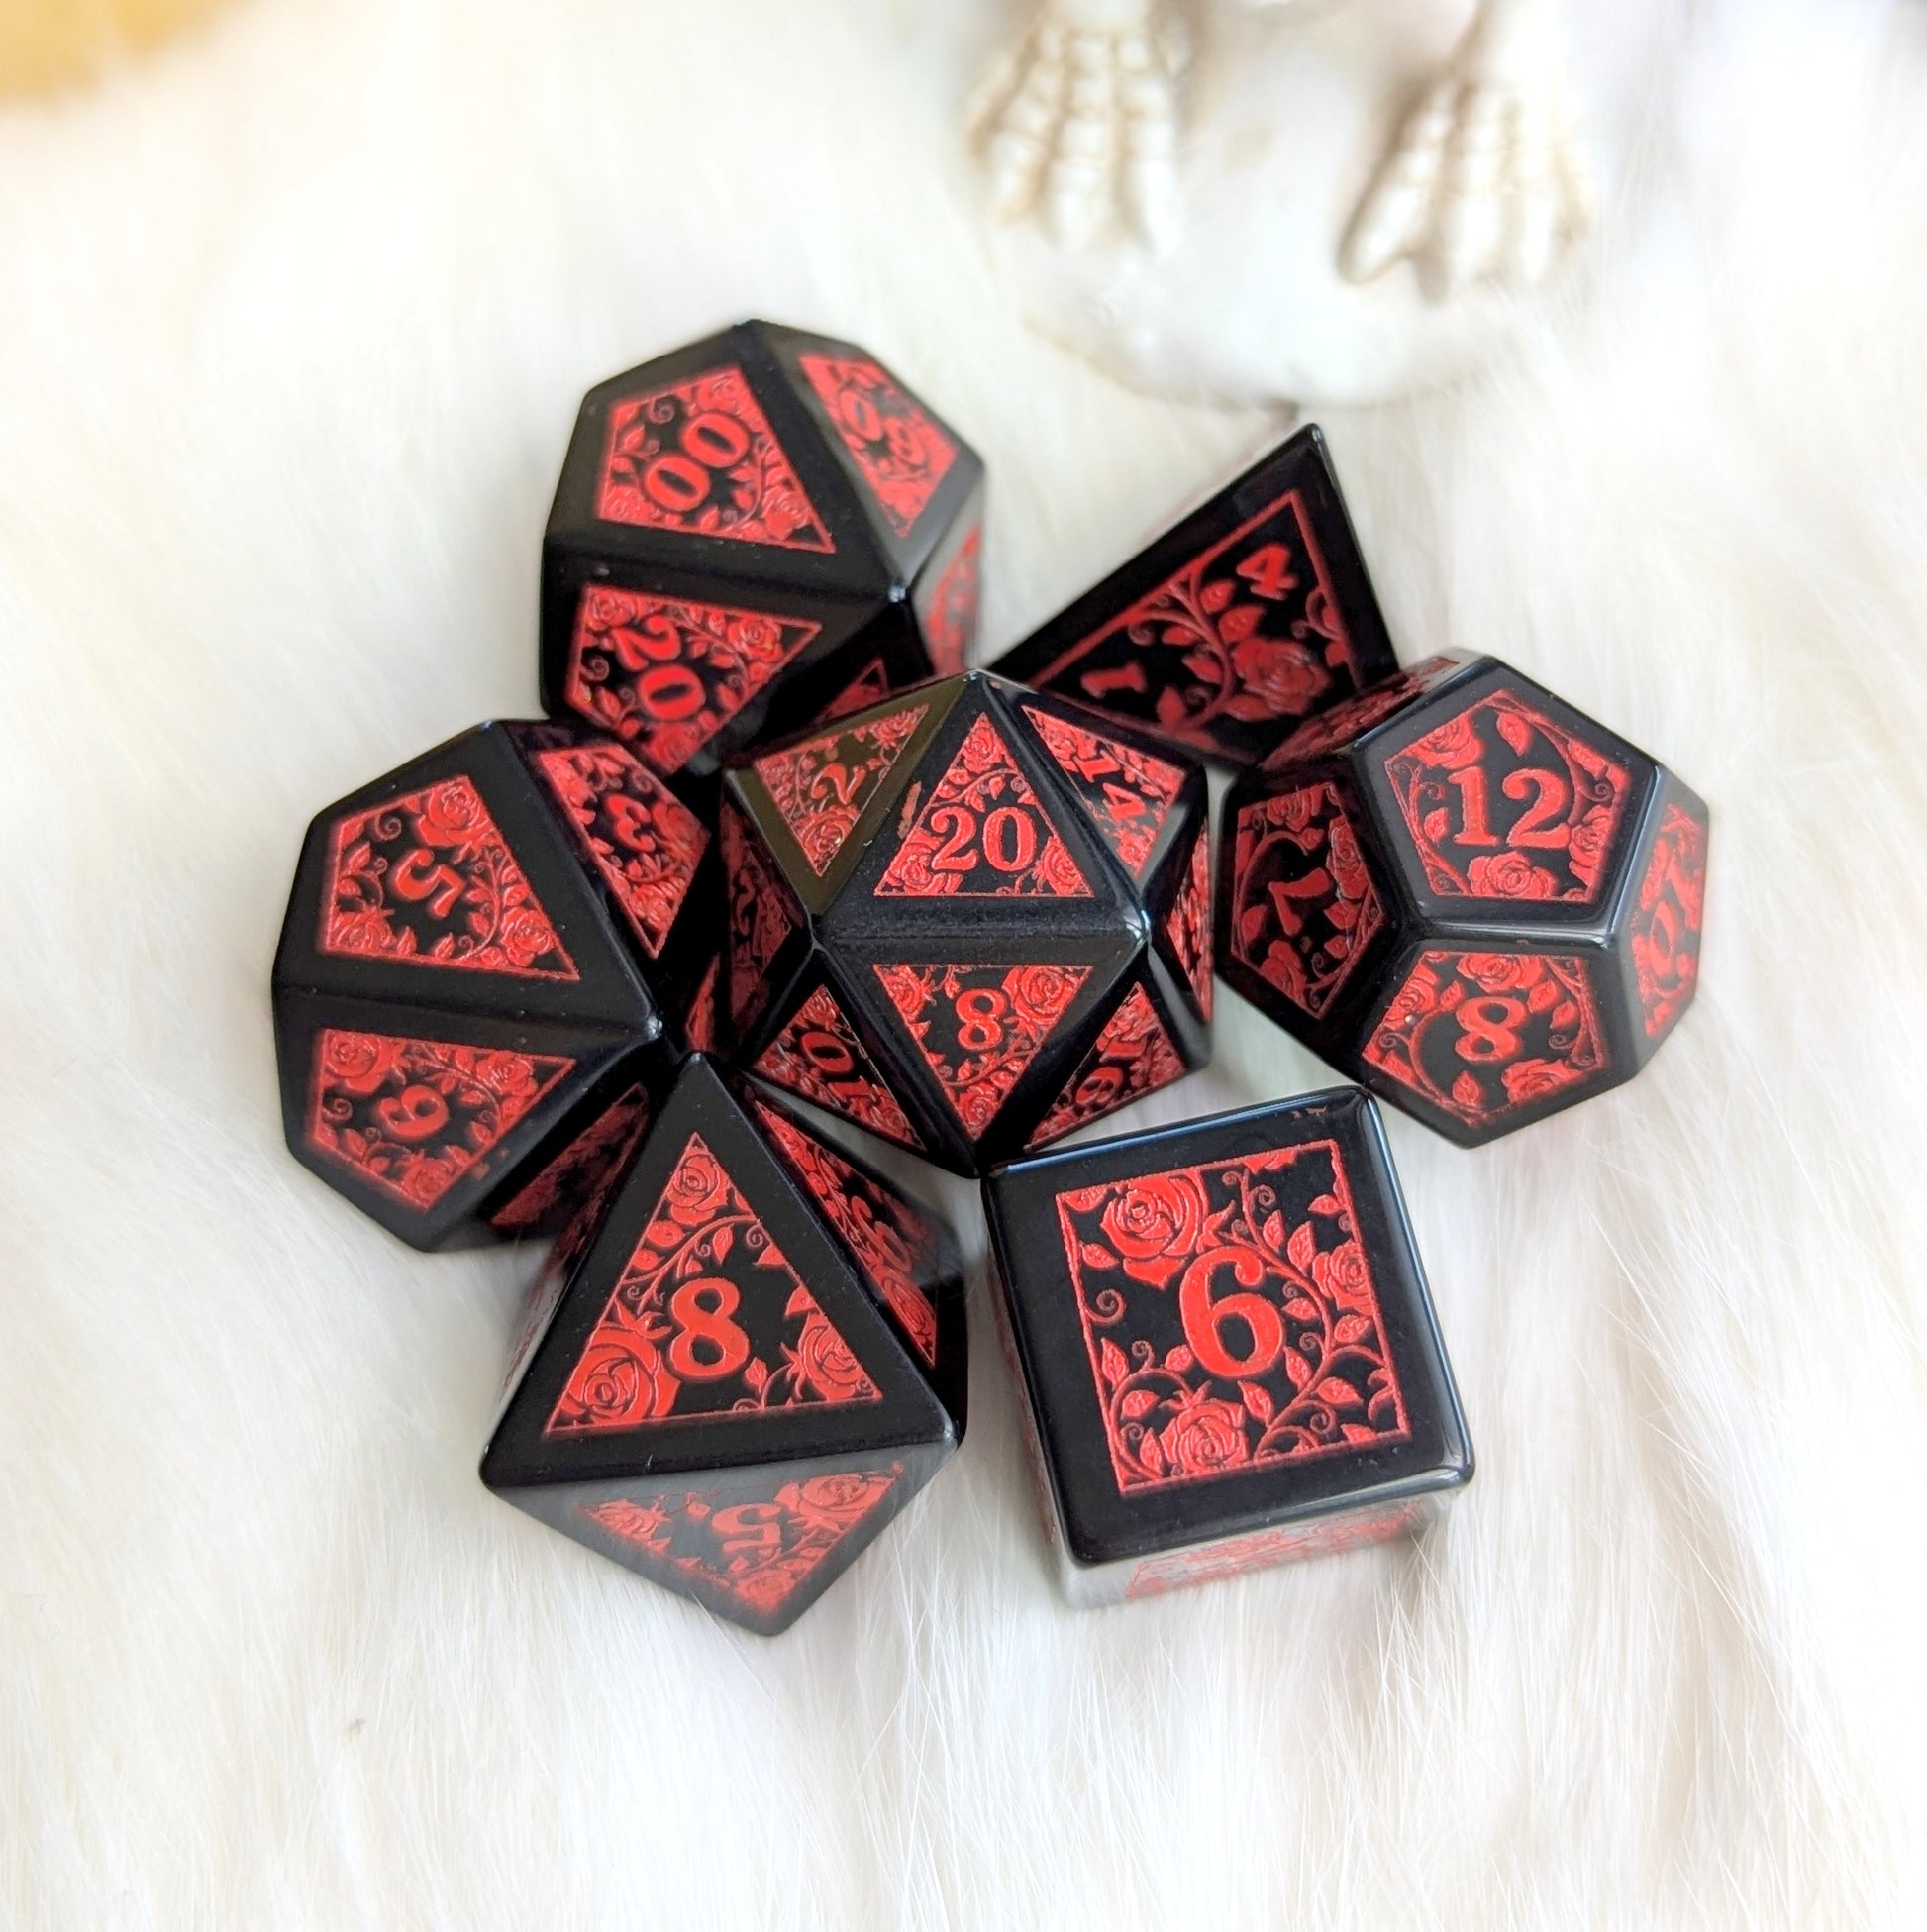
<point>292,326</point>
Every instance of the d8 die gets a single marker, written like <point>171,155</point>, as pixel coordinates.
<point>486,957</point>
<point>1467,896</point>
<point>750,532</point>
<point>1251,613</point>
<point>739,1366</point>
<point>1225,1345</point>
<point>970,920</point>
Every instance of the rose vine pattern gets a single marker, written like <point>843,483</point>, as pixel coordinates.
<point>949,618</point>
<point>412,1117</point>
<point>893,1245</point>
<point>1482,1034</point>
<point>982,834</point>
<point>870,685</point>
<point>429,878</point>
<point>667,673</point>
<point>755,1548</point>
<point>822,785</point>
<point>1188,925</point>
<point>699,1023</point>
<point>644,841</point>
<point>1127,793</point>
<point>818,1055</point>
<point>901,454</point>
<point>1349,718</point>
<point>707,1319</point>
<point>1665,929</point>
<point>1132,1057</point>
<point>759,913</point>
<point>1234,1556</point>
<point>604,1144</point>
<point>1502,803</point>
<point>981,1026</point>
<point>699,458</point>
<point>1230,1317</point>
<point>1246,634</point>
<point>1306,908</point>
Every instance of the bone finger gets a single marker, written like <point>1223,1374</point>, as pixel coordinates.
<point>1393,212</point>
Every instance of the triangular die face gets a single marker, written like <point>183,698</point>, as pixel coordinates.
<point>580,1170</point>
<point>667,674</point>
<point>1127,792</point>
<point>428,879</point>
<point>414,1117</point>
<point>699,458</point>
<point>640,838</point>
<point>893,1245</point>
<point>979,1027</point>
<point>819,1055</point>
<point>823,785</point>
<point>870,685</point>
<point>1132,1057</point>
<point>1187,923</point>
<point>746,1545</point>
<point>898,450</point>
<point>761,916</point>
<point>707,1319</point>
<point>982,834</point>
<point>950,613</point>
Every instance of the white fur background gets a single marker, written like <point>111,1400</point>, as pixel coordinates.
<point>291,330</point>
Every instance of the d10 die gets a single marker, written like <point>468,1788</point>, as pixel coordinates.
<point>741,1365</point>
<point>1465,895</point>
<point>1251,614</point>
<point>1225,1345</point>
<point>487,956</point>
<point>970,920</point>
<point>750,532</point>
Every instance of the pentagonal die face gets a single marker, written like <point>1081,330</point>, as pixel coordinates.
<point>972,920</point>
<point>471,987</point>
<point>758,528</point>
<point>739,1363</point>
<point>1251,614</point>
<point>1447,887</point>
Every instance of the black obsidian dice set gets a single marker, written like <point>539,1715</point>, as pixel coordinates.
<point>569,978</point>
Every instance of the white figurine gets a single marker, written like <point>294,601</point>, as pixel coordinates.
<point>1484,181</point>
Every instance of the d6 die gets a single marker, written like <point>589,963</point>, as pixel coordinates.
<point>1251,614</point>
<point>1465,895</point>
<point>486,959</point>
<point>970,920</point>
<point>740,1364</point>
<point>750,532</point>
<point>1225,1345</point>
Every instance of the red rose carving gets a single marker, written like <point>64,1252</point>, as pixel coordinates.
<point>824,1360</point>
<point>1154,1224</point>
<point>1205,1438</point>
<point>695,1188</point>
<point>1509,875</point>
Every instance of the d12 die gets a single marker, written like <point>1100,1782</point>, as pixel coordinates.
<point>753,531</point>
<point>970,920</point>
<point>741,1365</point>
<point>1465,895</point>
<point>1225,1345</point>
<point>1251,614</point>
<point>486,957</point>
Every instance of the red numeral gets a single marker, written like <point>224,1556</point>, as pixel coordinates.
<point>417,877</point>
<point>1536,827</point>
<point>416,1113</point>
<point>1487,1029</point>
<point>747,1529</point>
<point>1269,572</point>
<point>1204,1319</point>
<point>980,1018</point>
<point>701,1310</point>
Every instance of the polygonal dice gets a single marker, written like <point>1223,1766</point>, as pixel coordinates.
<point>1225,1350</point>
<point>486,959</point>
<point>753,531</point>
<point>1467,896</point>
<point>970,920</point>
<point>740,1364</point>
<point>1251,614</point>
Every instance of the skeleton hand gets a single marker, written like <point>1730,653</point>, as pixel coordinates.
<point>1082,119</point>
<point>1486,179</point>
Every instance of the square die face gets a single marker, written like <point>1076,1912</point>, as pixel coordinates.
<point>1224,1326</point>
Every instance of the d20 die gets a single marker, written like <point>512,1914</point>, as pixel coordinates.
<point>741,1365</point>
<point>485,960</point>
<point>1251,614</point>
<point>749,532</point>
<point>1467,896</point>
<point>1225,1345</point>
<point>970,920</point>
